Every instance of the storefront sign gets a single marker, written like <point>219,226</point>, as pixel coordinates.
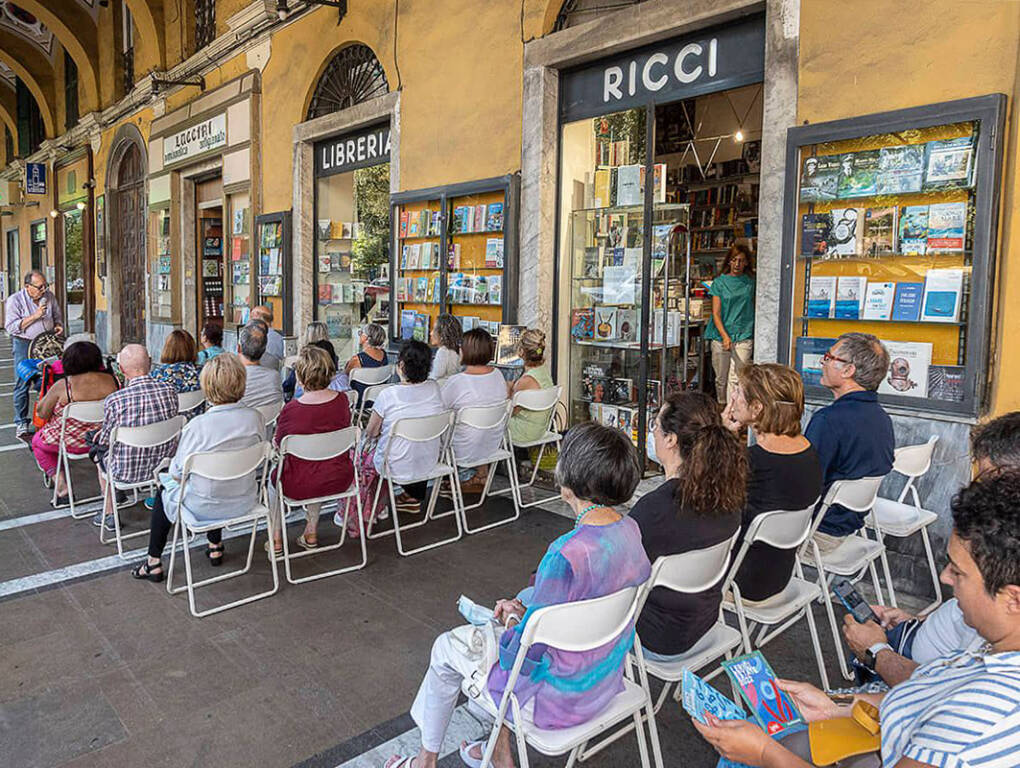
<point>35,178</point>
<point>207,135</point>
<point>698,63</point>
<point>370,146</point>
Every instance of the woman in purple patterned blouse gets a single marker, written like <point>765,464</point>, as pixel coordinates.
<point>602,554</point>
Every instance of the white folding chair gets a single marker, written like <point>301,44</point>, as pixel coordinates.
<point>87,412</point>
<point>421,429</point>
<point>370,377</point>
<point>539,400</point>
<point>899,519</point>
<point>489,418</point>
<point>288,365</point>
<point>580,626</point>
<point>270,412</point>
<point>321,447</point>
<point>148,436</point>
<point>360,416</point>
<point>220,466</point>
<point>189,401</point>
<point>855,555</point>
<point>689,573</point>
<point>782,529</point>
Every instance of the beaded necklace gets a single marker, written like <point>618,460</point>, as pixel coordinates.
<point>583,512</point>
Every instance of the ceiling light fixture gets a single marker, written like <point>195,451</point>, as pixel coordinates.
<point>80,205</point>
<point>738,136</point>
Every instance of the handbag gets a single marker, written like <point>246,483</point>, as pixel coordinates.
<point>480,645</point>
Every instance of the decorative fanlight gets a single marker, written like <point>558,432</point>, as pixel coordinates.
<point>352,76</point>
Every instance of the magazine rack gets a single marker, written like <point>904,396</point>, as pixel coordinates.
<point>889,229</point>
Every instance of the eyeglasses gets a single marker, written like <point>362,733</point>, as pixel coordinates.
<point>40,286</point>
<point>828,357</point>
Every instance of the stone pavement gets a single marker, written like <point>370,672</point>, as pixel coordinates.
<point>98,670</point>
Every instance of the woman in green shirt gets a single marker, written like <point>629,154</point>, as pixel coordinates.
<point>732,328</point>
<point>526,426</point>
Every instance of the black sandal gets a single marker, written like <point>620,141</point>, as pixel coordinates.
<point>211,550</point>
<point>144,571</point>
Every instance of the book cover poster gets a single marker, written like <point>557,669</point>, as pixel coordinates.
<point>900,169</point>
<point>769,705</point>
<point>947,225</point>
<point>878,301</point>
<point>814,233</point>
<point>858,174</point>
<point>942,289</point>
<point>494,217</point>
<point>947,382</point>
<point>808,361</point>
<point>628,185</point>
<point>844,232</point>
<point>850,297</point>
<point>908,368</point>
<point>879,232</point>
<point>913,230</point>
<point>821,296</point>
<point>582,323</point>
<point>819,179</point>
<point>606,324</point>
<point>949,163</point>
<point>628,321</point>
<point>907,303</point>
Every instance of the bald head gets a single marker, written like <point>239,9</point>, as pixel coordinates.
<point>263,313</point>
<point>134,361</point>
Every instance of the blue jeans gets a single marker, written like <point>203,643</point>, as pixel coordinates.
<point>21,415</point>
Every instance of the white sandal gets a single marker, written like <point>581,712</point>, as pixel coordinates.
<point>465,753</point>
<point>402,762</point>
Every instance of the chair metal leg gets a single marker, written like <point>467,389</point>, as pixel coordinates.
<point>934,573</point>
<point>534,474</point>
<point>288,557</point>
<point>485,493</point>
<point>653,729</point>
<point>817,646</point>
<point>888,578</point>
<point>434,495</point>
<point>823,583</point>
<point>875,582</point>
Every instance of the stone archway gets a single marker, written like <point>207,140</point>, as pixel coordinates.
<point>125,206</point>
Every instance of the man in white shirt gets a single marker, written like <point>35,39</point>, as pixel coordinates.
<point>264,386</point>
<point>274,354</point>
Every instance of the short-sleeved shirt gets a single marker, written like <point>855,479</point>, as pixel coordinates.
<point>407,460</point>
<point>959,711</point>
<point>470,390</point>
<point>944,633</point>
<point>736,297</point>
<point>208,354</point>
<point>263,386</point>
<point>183,377</point>
<point>314,479</point>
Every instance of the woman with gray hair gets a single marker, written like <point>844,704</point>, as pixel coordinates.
<point>446,337</point>
<point>597,471</point>
<point>372,339</point>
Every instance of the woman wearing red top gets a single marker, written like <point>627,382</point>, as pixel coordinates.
<point>318,410</point>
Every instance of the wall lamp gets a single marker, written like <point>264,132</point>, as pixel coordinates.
<point>340,5</point>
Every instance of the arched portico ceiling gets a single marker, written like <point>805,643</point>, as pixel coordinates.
<point>35,71</point>
<point>25,23</point>
<point>7,76</point>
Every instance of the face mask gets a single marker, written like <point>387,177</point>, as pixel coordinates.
<point>473,612</point>
<point>650,447</point>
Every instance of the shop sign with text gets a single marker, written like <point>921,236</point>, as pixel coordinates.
<point>200,138</point>
<point>351,151</point>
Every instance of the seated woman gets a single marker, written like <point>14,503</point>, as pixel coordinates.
<point>314,332</point>
<point>699,505</point>
<point>959,710</point>
<point>446,338</point>
<point>318,409</point>
<point>85,378</point>
<point>225,426</point>
<point>211,341</point>
<point>783,467</point>
<point>597,470</point>
<point>479,385</point>
<point>372,355</point>
<point>415,395</point>
<point>527,426</point>
<point>339,382</point>
<point>177,362</point>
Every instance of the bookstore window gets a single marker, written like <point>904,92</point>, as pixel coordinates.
<point>885,244</point>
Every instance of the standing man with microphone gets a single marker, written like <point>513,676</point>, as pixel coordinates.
<point>31,311</point>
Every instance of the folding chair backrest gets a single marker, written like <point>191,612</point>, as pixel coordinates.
<point>914,460</point>
<point>270,411</point>
<point>150,435</point>
<point>369,396</point>
<point>85,411</point>
<point>780,528</point>
<point>370,376</point>
<point>537,399</point>
<point>857,495</point>
<point>226,465</point>
<point>484,416</point>
<point>694,571</point>
<point>583,625</point>
<point>187,401</point>
<point>321,447</point>
<point>421,429</point>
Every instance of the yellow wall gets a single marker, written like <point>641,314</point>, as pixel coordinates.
<point>852,63</point>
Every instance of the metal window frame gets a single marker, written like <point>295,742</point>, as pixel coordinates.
<point>990,111</point>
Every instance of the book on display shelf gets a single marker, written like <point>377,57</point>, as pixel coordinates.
<point>628,185</point>
<point>808,358</point>
<point>402,228</point>
<point>908,368</point>
<point>324,228</point>
<point>814,233</point>
<point>606,323</point>
<point>821,296</point>
<point>494,217</point>
<point>478,223</point>
<point>468,323</point>
<point>949,163</point>
<point>858,172</point>
<point>609,416</point>
<point>947,226</point>
<point>907,303</point>
<point>850,297</point>
<point>421,327</point>
<point>913,226</point>
<point>844,233</point>
<point>879,232</point>
<point>582,323</point>
<point>495,289</point>
<point>627,324</point>
<point>947,382</point>
<point>494,253</point>
<point>653,394</point>
<point>819,179</point>
<point>325,294</point>
<point>900,169</point>
<point>878,301</point>
<point>942,293</point>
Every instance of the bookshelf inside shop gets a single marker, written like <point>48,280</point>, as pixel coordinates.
<point>475,260</point>
<point>211,244</point>
<point>892,238</point>
<point>419,267</point>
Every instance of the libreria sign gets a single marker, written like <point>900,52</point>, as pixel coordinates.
<point>367,147</point>
<point>202,137</point>
<point>711,60</point>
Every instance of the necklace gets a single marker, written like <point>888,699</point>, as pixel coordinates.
<point>583,512</point>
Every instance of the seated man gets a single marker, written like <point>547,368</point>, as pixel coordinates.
<point>853,436</point>
<point>273,357</point>
<point>141,401</point>
<point>264,386</point>
<point>961,710</point>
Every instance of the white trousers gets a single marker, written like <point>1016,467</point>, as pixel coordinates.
<point>727,364</point>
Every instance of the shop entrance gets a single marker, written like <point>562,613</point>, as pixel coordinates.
<point>74,278</point>
<point>129,277</point>
<point>209,253</point>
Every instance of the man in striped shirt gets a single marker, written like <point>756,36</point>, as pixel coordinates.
<point>958,711</point>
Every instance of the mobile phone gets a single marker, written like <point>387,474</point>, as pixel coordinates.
<point>853,601</point>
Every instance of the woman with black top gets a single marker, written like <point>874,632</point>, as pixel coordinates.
<point>784,471</point>
<point>699,505</point>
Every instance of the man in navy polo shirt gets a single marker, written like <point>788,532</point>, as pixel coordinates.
<point>853,436</point>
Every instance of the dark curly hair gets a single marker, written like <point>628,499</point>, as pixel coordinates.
<point>998,441</point>
<point>415,357</point>
<point>986,514</point>
<point>82,357</point>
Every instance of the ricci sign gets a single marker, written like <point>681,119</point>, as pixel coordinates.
<point>200,138</point>
<point>361,149</point>
<point>712,60</point>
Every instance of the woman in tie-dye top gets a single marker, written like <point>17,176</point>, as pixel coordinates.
<point>597,469</point>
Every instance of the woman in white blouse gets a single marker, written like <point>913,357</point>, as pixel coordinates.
<point>446,338</point>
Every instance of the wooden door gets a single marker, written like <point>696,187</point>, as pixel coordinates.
<point>131,244</point>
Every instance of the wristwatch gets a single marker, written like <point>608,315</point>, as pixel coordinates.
<point>871,655</point>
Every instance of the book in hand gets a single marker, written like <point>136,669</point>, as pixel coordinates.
<point>771,707</point>
<point>700,699</point>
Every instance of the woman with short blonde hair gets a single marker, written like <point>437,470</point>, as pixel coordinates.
<point>223,379</point>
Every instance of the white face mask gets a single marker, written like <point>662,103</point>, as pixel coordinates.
<point>650,446</point>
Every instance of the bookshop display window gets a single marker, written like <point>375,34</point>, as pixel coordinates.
<point>273,267</point>
<point>210,230</point>
<point>162,272</point>
<point>239,296</point>
<point>890,231</point>
<point>352,243</point>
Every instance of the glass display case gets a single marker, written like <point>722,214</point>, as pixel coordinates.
<point>240,284</point>
<point>419,267</point>
<point>162,270</point>
<point>211,241</point>
<point>891,233</point>
<point>273,267</point>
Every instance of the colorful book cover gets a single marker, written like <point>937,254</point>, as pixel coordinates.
<point>821,296</point>
<point>602,188</point>
<point>949,163</point>
<point>478,225</point>
<point>878,301</point>
<point>814,233</point>
<point>414,256</point>
<point>947,382</point>
<point>907,304</point>
<point>407,323</point>
<point>494,217</point>
<point>819,179</point>
<point>850,297</point>
<point>900,169</point>
<point>624,417</point>
<point>769,705</point>
<point>879,232</point>
<point>436,224</point>
<point>858,174</point>
<point>947,226</point>
<point>698,697</point>
<point>908,368</point>
<point>627,322</point>
<point>336,230</point>
<point>495,289</point>
<point>843,236</point>
<point>405,251</point>
<point>913,230</point>
<point>653,394</point>
<point>582,323</point>
<point>413,225</point>
<point>942,290</point>
<point>325,263</point>
<point>325,294</point>
<point>606,323</point>
<point>494,253</point>
<point>808,361</point>
<point>507,339</point>
<point>420,286</point>
<point>402,232</point>
<point>421,328</point>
